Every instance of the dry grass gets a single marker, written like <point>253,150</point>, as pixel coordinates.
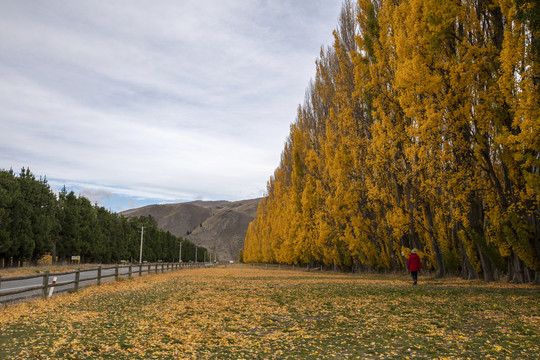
<point>29,270</point>
<point>244,313</point>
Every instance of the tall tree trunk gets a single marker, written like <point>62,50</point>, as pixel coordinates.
<point>517,270</point>
<point>487,266</point>
<point>476,220</point>
<point>413,236</point>
<point>536,280</point>
<point>441,268</point>
<point>467,270</point>
<point>536,226</point>
<point>53,252</point>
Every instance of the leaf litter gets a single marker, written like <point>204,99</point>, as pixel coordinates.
<point>245,313</point>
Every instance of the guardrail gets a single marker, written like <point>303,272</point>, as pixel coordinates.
<point>47,284</point>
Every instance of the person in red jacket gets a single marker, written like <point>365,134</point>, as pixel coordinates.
<point>414,265</point>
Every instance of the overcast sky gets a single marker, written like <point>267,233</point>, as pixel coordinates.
<point>133,102</point>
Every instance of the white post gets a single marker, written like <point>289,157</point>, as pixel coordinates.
<point>140,253</point>
<point>196,254</point>
<point>180,253</point>
<point>51,289</point>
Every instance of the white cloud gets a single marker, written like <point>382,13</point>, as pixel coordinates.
<point>164,100</point>
<point>96,196</point>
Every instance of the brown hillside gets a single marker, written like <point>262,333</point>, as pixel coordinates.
<point>219,226</point>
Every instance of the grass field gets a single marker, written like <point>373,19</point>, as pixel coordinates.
<point>244,313</point>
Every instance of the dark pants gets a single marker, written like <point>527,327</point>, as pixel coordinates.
<point>414,275</point>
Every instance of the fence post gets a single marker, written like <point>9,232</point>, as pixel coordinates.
<point>51,289</point>
<point>77,278</point>
<point>0,281</point>
<point>116,273</point>
<point>99,275</point>
<point>45,283</point>
<point>149,269</point>
<point>140,270</point>
<point>162,268</point>
<point>130,271</point>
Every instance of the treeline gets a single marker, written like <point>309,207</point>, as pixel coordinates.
<point>419,130</point>
<point>34,222</point>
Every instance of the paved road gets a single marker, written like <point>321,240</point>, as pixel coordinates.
<point>107,274</point>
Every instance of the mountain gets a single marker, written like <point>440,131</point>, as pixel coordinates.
<point>219,226</point>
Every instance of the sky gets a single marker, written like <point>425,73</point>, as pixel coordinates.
<point>137,102</point>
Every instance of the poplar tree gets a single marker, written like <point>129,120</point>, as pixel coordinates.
<point>419,130</point>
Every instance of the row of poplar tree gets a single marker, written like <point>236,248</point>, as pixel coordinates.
<point>419,130</point>
<point>34,222</point>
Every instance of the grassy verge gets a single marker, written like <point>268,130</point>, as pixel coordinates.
<point>30,270</point>
<point>235,313</point>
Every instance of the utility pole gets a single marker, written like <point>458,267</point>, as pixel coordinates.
<point>140,253</point>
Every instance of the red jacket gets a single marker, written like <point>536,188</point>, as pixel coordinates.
<point>414,264</point>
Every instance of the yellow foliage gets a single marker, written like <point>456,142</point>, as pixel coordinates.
<point>421,124</point>
<point>45,260</point>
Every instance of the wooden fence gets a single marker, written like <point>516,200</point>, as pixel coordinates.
<point>46,276</point>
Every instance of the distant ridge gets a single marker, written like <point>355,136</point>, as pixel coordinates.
<point>219,226</point>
